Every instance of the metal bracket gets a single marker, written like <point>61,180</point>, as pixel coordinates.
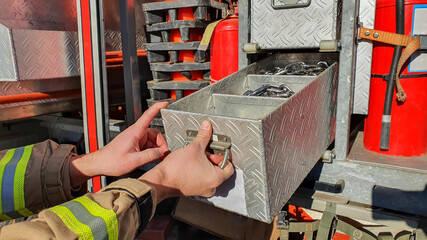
<point>329,156</point>
<point>220,144</point>
<point>423,42</point>
<point>283,225</point>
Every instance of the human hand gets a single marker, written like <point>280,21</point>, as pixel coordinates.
<point>190,170</point>
<point>135,146</point>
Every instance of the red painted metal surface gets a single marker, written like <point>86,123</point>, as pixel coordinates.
<point>224,49</point>
<point>408,134</point>
<point>89,85</point>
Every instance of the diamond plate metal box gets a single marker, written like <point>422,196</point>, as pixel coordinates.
<point>275,141</point>
<point>297,27</point>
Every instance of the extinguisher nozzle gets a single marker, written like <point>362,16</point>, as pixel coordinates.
<point>385,132</point>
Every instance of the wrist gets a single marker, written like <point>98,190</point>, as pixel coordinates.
<point>157,179</point>
<point>82,169</point>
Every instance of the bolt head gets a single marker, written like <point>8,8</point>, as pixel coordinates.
<point>367,33</point>
<point>376,35</point>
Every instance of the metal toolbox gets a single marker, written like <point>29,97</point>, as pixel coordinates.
<point>275,142</point>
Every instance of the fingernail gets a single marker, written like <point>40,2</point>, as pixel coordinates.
<point>205,125</point>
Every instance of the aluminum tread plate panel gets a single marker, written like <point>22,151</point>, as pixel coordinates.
<point>259,158</point>
<point>39,14</point>
<point>293,28</point>
<point>46,54</point>
<point>364,60</point>
<point>296,135</point>
<point>7,63</point>
<point>246,150</point>
<point>42,41</point>
<point>247,161</point>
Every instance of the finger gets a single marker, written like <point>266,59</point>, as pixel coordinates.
<point>146,156</point>
<point>149,144</point>
<point>204,135</point>
<point>226,172</point>
<point>161,142</point>
<point>155,138</point>
<point>209,193</point>
<point>214,158</point>
<point>148,116</point>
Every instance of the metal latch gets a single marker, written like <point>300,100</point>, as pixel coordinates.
<point>220,144</point>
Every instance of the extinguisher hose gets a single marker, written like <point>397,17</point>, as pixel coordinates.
<point>391,79</point>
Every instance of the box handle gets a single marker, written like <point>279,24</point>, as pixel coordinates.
<point>220,144</point>
<point>289,4</point>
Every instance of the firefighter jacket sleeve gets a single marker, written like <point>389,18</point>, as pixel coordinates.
<point>33,178</point>
<point>119,211</point>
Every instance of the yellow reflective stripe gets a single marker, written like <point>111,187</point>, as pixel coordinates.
<point>4,217</point>
<point>109,216</point>
<point>3,162</point>
<point>18,183</point>
<point>82,230</point>
<point>25,212</point>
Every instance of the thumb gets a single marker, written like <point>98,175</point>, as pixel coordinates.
<point>227,171</point>
<point>148,155</point>
<point>204,135</point>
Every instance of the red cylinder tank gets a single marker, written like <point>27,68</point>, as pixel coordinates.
<point>224,52</point>
<point>408,133</point>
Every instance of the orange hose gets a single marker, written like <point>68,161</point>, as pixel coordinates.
<point>39,96</point>
<point>76,93</point>
<point>119,54</point>
<point>115,60</point>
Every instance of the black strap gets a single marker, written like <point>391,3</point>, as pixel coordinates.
<point>144,204</point>
<point>385,76</point>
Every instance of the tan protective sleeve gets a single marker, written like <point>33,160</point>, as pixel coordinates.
<point>47,176</point>
<point>47,179</point>
<point>49,226</point>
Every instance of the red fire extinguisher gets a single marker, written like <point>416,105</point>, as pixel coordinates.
<point>408,120</point>
<point>224,52</point>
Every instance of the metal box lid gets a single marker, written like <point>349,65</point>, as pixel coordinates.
<point>276,24</point>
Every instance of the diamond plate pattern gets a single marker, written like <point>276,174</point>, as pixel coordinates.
<point>276,152</point>
<point>39,39</point>
<point>296,135</point>
<point>364,60</point>
<point>293,28</point>
<point>43,85</point>
<point>7,64</point>
<point>113,40</point>
<point>39,14</point>
<point>46,54</point>
<point>246,150</point>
